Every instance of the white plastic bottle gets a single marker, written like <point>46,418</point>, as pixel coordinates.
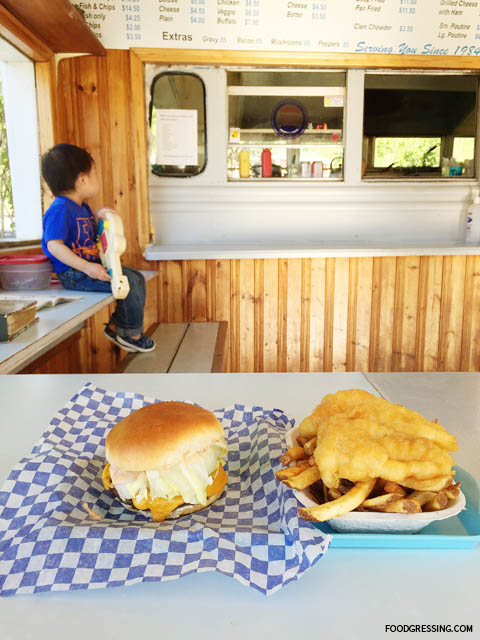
<point>472,226</point>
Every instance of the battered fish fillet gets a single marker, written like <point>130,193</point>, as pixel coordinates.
<point>361,449</point>
<point>356,403</point>
<point>360,436</point>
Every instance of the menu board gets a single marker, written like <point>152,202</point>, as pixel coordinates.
<point>408,27</point>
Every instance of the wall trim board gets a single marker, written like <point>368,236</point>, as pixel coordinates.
<point>303,59</point>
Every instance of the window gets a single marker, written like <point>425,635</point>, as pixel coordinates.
<point>419,125</point>
<point>21,209</point>
<point>7,219</point>
<point>295,117</point>
<point>178,125</point>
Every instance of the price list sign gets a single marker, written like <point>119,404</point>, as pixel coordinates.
<point>406,27</point>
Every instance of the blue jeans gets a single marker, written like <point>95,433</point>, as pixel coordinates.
<point>128,315</point>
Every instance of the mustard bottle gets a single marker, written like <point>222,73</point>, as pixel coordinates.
<point>244,157</point>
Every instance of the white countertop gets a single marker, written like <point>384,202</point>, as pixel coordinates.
<point>301,250</point>
<point>348,594</point>
<point>54,324</point>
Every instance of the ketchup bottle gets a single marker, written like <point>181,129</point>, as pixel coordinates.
<point>266,163</point>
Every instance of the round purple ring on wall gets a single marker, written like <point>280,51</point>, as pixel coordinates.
<point>289,118</point>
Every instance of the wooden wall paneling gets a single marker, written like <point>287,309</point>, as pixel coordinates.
<point>92,97</point>
<point>151,305</point>
<point>140,150</point>
<point>470,353</point>
<point>259,310</point>
<point>221,287</point>
<point>341,316</point>
<point>163,288</point>
<point>317,314</point>
<point>329,317</point>
<point>86,355</point>
<point>404,337</point>
<point>211,310</point>
<point>453,289</point>
<point>63,358</point>
<point>270,317</point>
<point>196,291</point>
<point>433,303</point>
<point>410,319</point>
<point>352,305</point>
<point>174,298</point>
<point>235,315</point>
<point>306,290</point>
<point>69,126</point>
<point>282,314</point>
<point>383,295</point>
<point>474,316</point>
<point>46,83</point>
<point>105,355</point>
<point>295,300</point>
<point>422,303</point>
<point>361,338</point>
<point>246,314</point>
<point>293,325</point>
<point>119,127</point>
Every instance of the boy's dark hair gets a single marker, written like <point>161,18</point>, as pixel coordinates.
<point>62,165</point>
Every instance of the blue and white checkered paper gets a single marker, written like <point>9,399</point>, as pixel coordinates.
<point>49,542</point>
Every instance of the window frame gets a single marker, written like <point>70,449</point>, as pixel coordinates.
<point>21,116</point>
<point>150,112</point>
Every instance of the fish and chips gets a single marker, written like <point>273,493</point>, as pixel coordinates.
<point>363,453</point>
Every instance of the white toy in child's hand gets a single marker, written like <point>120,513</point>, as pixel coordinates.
<point>111,244</point>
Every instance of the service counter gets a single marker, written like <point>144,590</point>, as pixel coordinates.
<point>306,249</point>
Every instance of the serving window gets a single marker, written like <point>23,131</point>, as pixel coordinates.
<point>419,125</point>
<point>285,124</point>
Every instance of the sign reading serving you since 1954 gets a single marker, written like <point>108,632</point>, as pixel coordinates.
<point>411,27</point>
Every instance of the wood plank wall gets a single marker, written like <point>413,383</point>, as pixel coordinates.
<point>333,314</point>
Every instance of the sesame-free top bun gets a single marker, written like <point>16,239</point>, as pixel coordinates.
<point>161,435</point>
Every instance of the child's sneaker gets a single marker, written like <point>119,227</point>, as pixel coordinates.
<point>143,344</point>
<point>112,336</point>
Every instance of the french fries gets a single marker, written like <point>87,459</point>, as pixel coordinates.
<point>377,495</point>
<point>335,508</point>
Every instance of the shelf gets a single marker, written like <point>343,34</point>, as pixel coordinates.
<point>261,145</point>
<point>307,131</point>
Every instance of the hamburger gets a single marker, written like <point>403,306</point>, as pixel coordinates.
<point>166,458</point>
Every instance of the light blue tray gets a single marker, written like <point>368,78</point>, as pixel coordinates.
<point>458,532</point>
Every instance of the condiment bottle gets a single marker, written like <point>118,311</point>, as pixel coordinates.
<point>266,163</point>
<point>472,226</point>
<point>244,159</point>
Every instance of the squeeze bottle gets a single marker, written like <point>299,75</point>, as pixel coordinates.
<point>244,157</point>
<point>472,226</point>
<point>266,163</point>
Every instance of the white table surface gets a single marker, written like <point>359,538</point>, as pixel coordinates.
<point>348,594</point>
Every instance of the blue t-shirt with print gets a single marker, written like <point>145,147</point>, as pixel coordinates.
<point>75,225</point>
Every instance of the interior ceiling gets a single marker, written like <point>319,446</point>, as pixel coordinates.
<point>57,23</point>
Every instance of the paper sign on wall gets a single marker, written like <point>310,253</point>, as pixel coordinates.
<point>177,136</point>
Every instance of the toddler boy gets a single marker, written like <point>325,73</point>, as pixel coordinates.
<point>69,240</point>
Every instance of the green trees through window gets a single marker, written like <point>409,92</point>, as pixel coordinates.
<point>7,219</point>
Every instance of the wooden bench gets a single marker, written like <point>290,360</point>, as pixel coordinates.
<point>182,347</point>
